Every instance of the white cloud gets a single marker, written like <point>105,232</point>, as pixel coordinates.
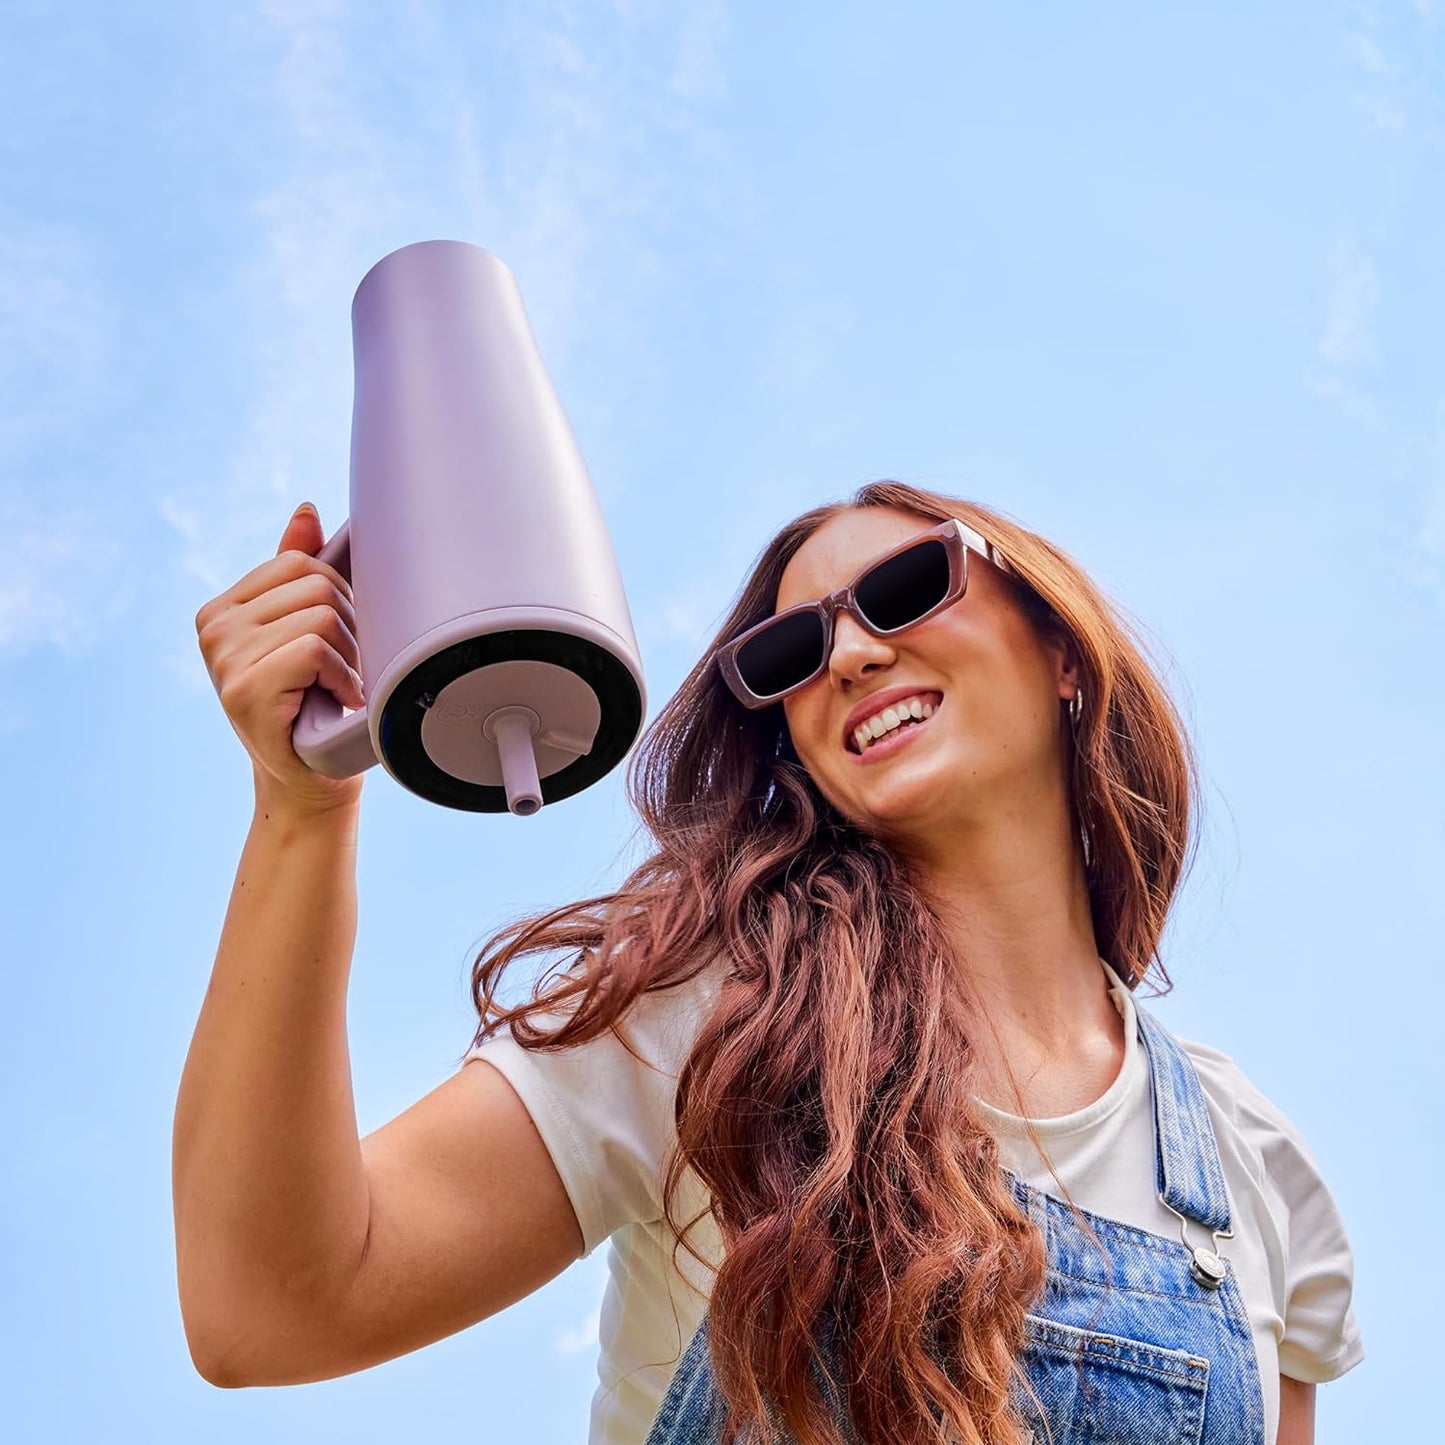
<point>1347,340</point>
<point>1429,569</point>
<point>1383,113</point>
<point>580,1338</point>
<point>61,576</point>
<point>1355,403</point>
<point>318,225</point>
<point>60,580</point>
<point>1391,46</point>
<point>1367,54</point>
<point>689,616</point>
<point>1432,531</point>
<point>1354,290</point>
<point>698,71</point>
<point>54,331</point>
<point>561,182</point>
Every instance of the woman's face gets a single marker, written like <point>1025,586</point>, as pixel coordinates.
<point>995,742</point>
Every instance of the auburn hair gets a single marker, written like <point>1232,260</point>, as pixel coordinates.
<point>827,1103</point>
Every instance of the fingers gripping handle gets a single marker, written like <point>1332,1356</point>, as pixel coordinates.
<point>329,743</point>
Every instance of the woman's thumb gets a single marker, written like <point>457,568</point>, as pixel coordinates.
<point>303,527</point>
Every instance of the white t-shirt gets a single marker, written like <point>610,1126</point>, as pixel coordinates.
<point>607,1121</point>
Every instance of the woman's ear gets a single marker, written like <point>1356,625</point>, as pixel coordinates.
<point>1063,654</point>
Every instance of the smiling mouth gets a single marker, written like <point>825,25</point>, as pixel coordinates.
<point>886,741</point>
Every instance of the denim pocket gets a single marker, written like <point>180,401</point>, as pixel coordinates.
<point>1108,1390</point>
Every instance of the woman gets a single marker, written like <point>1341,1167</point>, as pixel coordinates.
<point>850,1071</point>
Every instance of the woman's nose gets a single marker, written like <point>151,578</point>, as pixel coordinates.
<point>854,646</point>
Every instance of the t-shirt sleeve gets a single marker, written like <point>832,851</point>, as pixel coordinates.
<point>1315,1278</point>
<point>1321,1336</point>
<point>605,1116</point>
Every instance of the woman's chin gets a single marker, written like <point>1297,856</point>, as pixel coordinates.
<point>918,794</point>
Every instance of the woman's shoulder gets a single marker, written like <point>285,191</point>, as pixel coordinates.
<point>1261,1130</point>
<point>653,1034</point>
<point>662,1024</point>
<point>1315,1263</point>
<point>1232,1090</point>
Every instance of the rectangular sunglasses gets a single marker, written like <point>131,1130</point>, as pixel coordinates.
<point>898,590</point>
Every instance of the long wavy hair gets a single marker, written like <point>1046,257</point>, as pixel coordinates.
<point>827,1103</point>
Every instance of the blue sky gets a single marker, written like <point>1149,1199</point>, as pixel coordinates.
<point>1162,283</point>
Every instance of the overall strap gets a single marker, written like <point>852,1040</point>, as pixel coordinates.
<point>1188,1175</point>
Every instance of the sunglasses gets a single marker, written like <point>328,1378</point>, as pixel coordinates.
<point>897,590</point>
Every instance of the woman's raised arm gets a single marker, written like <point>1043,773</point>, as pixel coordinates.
<point>302,1251</point>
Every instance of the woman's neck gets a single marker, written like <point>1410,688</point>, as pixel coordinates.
<point>1015,904</point>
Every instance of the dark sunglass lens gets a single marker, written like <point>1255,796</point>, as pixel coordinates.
<point>782,655</point>
<point>903,588</point>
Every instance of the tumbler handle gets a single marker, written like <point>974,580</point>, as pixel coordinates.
<point>327,741</point>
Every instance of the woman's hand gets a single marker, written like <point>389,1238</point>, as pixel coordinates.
<point>286,625</point>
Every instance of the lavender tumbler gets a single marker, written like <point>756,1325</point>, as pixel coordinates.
<point>498,660</point>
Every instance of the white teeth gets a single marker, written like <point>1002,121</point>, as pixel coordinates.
<point>889,719</point>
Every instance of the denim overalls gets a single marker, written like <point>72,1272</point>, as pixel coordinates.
<point>1163,1357</point>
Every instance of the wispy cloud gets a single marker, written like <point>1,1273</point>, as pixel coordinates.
<point>1347,341</point>
<point>1383,112</point>
<point>546,131</point>
<point>577,1332</point>
<point>579,1338</point>
<point>1391,46</point>
<point>1426,559</point>
<point>337,193</point>
<point>685,617</point>
<point>61,577</point>
<point>1432,531</point>
<point>54,331</point>
<point>1367,54</point>
<point>697,73</point>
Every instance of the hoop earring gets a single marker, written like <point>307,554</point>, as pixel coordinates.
<point>1076,711</point>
